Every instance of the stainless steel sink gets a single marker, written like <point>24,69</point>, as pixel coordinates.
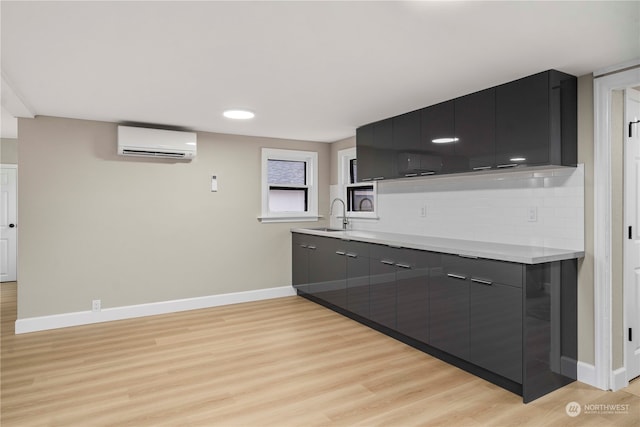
<point>325,229</point>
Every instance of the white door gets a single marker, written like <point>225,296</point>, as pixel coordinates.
<point>8,224</point>
<point>631,290</point>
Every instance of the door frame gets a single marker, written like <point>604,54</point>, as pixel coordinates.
<point>14,166</point>
<point>630,305</point>
<point>605,81</point>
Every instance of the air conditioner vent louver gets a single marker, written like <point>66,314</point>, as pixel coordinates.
<point>158,143</point>
<point>152,154</point>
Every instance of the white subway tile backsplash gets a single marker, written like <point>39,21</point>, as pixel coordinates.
<point>488,207</point>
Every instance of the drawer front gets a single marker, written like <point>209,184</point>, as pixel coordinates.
<point>484,270</point>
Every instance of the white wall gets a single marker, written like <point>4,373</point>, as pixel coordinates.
<point>487,207</point>
<point>95,225</point>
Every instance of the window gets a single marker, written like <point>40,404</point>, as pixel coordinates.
<point>360,197</point>
<point>289,189</point>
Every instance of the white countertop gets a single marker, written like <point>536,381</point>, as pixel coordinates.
<point>498,251</point>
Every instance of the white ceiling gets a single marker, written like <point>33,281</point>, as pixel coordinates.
<point>309,70</point>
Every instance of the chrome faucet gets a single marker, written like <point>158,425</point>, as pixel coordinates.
<point>345,221</point>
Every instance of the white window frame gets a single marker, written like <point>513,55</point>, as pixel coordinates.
<point>311,160</point>
<point>344,176</point>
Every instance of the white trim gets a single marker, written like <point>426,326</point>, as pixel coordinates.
<point>587,373</point>
<point>269,219</point>
<point>617,68</point>
<point>602,233</point>
<point>344,158</point>
<point>43,323</point>
<point>311,160</point>
<point>604,376</point>
<point>619,379</point>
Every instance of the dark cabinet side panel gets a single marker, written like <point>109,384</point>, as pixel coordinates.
<point>299,262</point>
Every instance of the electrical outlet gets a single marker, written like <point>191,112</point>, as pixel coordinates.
<point>423,211</point>
<point>532,214</point>
<point>96,305</point>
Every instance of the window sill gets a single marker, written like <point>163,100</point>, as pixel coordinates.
<point>270,219</point>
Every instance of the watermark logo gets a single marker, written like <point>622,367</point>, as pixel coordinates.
<point>606,409</point>
<point>573,409</point>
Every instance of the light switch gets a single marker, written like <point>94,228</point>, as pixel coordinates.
<point>214,184</point>
<point>532,214</point>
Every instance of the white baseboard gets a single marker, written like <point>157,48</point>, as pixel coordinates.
<point>619,379</point>
<point>587,374</point>
<point>43,323</point>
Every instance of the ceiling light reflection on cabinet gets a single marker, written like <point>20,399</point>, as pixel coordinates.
<point>444,140</point>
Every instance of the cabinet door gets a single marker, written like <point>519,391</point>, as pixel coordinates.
<point>475,129</point>
<point>407,144</point>
<point>522,121</point>
<point>413,293</point>
<point>449,307</point>
<point>374,145</point>
<point>495,332</point>
<point>365,152</point>
<point>382,286</point>
<point>328,272</point>
<point>358,279</point>
<point>299,262</point>
<point>437,122</point>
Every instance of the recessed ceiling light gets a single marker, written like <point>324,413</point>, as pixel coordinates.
<point>517,159</point>
<point>444,140</point>
<point>239,114</point>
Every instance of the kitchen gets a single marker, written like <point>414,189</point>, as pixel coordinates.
<point>101,213</point>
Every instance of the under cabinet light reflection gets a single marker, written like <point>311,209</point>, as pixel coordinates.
<point>517,159</point>
<point>444,140</point>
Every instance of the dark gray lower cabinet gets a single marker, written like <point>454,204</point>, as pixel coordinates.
<point>399,290</point>
<point>327,272</point>
<point>412,281</point>
<point>495,328</point>
<point>510,323</point>
<point>357,257</point>
<point>449,307</point>
<point>382,288</point>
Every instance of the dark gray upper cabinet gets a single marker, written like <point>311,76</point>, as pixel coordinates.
<point>530,121</point>
<point>436,123</point>
<point>366,153</point>
<point>475,128</point>
<point>407,144</point>
<point>536,120</point>
<point>376,151</point>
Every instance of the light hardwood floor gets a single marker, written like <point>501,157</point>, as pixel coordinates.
<point>283,362</point>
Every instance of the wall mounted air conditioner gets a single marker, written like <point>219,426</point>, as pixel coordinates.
<point>145,142</point>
